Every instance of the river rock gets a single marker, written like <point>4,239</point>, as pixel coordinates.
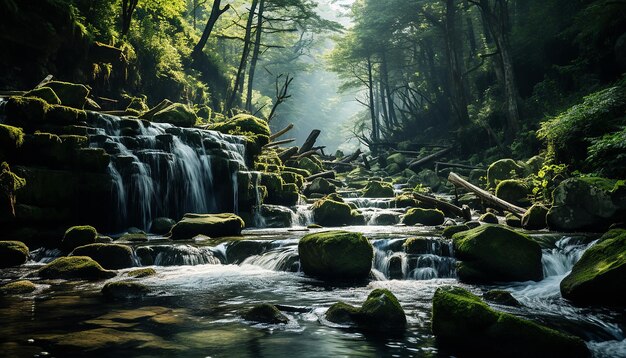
<point>109,256</point>
<point>513,191</point>
<point>341,313</point>
<point>256,130</point>
<point>124,290</point>
<point>328,212</point>
<point>381,312</point>
<point>501,297</point>
<point>535,218</point>
<point>176,114</point>
<point>430,179</point>
<point>238,251</point>
<point>449,231</point>
<point>142,272</point>
<point>75,267</point>
<point>265,313</point>
<point>79,236</point>
<point>162,226</point>
<point>488,218</point>
<point>25,112</point>
<point>212,225</point>
<point>513,220</point>
<point>320,186</point>
<point>404,201</point>
<point>590,204</point>
<point>64,115</point>
<point>465,325</point>
<point>276,216</point>
<point>17,288</point>
<point>491,253</point>
<point>378,189</point>
<point>337,255</point>
<point>599,276</point>
<point>12,253</point>
<point>11,138</point>
<point>430,217</point>
<point>45,93</point>
<point>505,169</point>
<point>70,94</point>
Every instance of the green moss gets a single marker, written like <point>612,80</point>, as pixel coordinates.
<point>265,313</point>
<point>417,245</point>
<point>212,225</point>
<point>74,142</point>
<point>292,178</point>
<point>505,169</point>
<point>535,218</point>
<point>75,267</point>
<point>320,186</point>
<point>449,231</point>
<point>328,212</point>
<point>305,173</point>
<point>45,93</point>
<point>397,158</point>
<point>512,220</point>
<point>428,217</point>
<point>309,165</point>
<point>70,94</point>
<point>138,104</point>
<point>341,313</point>
<point>9,181</point>
<point>381,311</point>
<point>404,201</point>
<point>598,277</point>
<point>109,256</point>
<point>124,290</point>
<point>255,129</point>
<point>26,112</point>
<point>12,253</point>
<point>11,138</point>
<point>17,288</point>
<point>501,297</point>
<point>79,236</point>
<point>336,255</point>
<point>377,189</point>
<point>176,114</point>
<point>488,218</point>
<point>142,272</point>
<point>513,191</point>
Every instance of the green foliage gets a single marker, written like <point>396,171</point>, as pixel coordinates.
<point>608,154</point>
<point>546,180</point>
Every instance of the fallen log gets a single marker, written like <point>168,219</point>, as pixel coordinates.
<point>421,161</point>
<point>44,81</point>
<point>339,164</point>
<point>329,174</point>
<point>484,195</point>
<point>287,154</point>
<point>463,212</point>
<point>310,141</point>
<point>281,132</point>
<point>307,154</point>
<point>279,142</point>
<point>352,156</point>
<point>154,110</point>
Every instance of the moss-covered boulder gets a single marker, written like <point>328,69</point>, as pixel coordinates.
<point>255,129</point>
<point>587,204</point>
<point>504,169</point>
<point>124,290</point>
<point>397,158</point>
<point>142,272</point>
<point>45,93</point>
<point>17,288</point>
<point>79,236</point>
<point>309,165</point>
<point>449,231</point>
<point>64,115</point>
<point>265,313</point>
<point>599,276</point>
<point>378,189</point>
<point>75,267</point>
<point>109,256</point>
<point>92,159</point>
<point>465,325</point>
<point>341,313</point>
<point>535,218</point>
<point>513,220</point>
<point>328,212</point>
<point>404,201</point>
<point>176,114</point>
<point>381,312</point>
<point>338,255</point>
<point>11,138</point>
<point>417,245</point>
<point>290,177</point>
<point>320,186</point>
<point>70,94</point>
<point>501,297</point>
<point>162,226</point>
<point>513,191</point>
<point>12,253</point>
<point>488,218</point>
<point>26,111</point>
<point>429,178</point>
<point>491,253</point>
<point>212,225</point>
<point>430,217</point>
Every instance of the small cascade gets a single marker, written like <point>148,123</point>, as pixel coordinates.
<point>45,255</point>
<point>159,170</point>
<point>376,216</point>
<point>559,260</point>
<point>259,220</point>
<point>281,259</point>
<point>436,261</point>
<point>177,255</point>
<point>379,203</point>
<point>303,216</point>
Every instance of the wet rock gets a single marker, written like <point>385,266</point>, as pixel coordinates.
<point>176,114</point>
<point>378,189</point>
<point>491,253</point>
<point>64,115</point>
<point>430,217</point>
<point>501,297</point>
<point>381,312</point>
<point>417,245</point>
<point>404,201</point>
<point>309,165</point>
<point>389,218</point>
<point>293,178</point>
<point>337,255</point>
<point>212,225</point>
<point>327,212</point>
<point>341,313</point>
<point>472,224</point>
<point>504,169</point>
<point>320,186</point>
<point>513,221</point>
<point>488,218</point>
<point>276,216</point>
<point>357,217</point>
<point>124,290</point>
<point>256,130</point>
<point>265,313</point>
<point>109,256</point>
<point>17,288</point>
<point>395,268</point>
<point>599,276</point>
<point>464,324</point>
<point>25,112</point>
<point>430,179</point>
<point>79,236</point>
<point>12,253</point>
<point>11,138</point>
<point>449,231</point>
<point>70,94</point>
<point>238,251</point>
<point>45,93</point>
<point>162,226</point>
<point>513,191</point>
<point>142,272</point>
<point>535,218</point>
<point>397,158</point>
<point>75,267</point>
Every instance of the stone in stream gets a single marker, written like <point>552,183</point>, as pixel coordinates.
<point>599,276</point>
<point>276,216</point>
<point>75,267</point>
<point>535,218</point>
<point>378,189</point>
<point>238,251</point>
<point>320,186</point>
<point>336,255</point>
<point>162,226</point>
<point>449,231</point>
<point>212,225</point>
<point>488,218</point>
<point>12,253</point>
<point>381,312</point>
<point>25,112</point>
<point>124,290</point>
<point>70,94</point>
<point>109,256</point>
<point>45,93</point>
<point>265,313</point>
<point>465,325</point>
<point>504,169</point>
<point>176,114</point>
<point>17,288</point>
<point>430,217</point>
<point>492,253</point>
<point>142,272</point>
<point>79,236</point>
<point>328,212</point>
<point>513,191</point>
<point>513,221</point>
<point>501,297</point>
<point>341,313</point>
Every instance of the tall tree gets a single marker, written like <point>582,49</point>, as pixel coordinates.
<point>239,77</point>
<point>255,54</point>
<point>128,7</point>
<point>216,12</point>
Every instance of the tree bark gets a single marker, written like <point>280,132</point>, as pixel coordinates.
<point>128,7</point>
<point>216,12</point>
<point>244,57</point>
<point>484,195</point>
<point>370,80</point>
<point>255,54</point>
<point>310,141</point>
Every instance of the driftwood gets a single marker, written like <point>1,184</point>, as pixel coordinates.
<point>330,174</point>
<point>279,142</point>
<point>287,154</point>
<point>421,161</point>
<point>352,156</point>
<point>310,141</point>
<point>44,81</point>
<point>164,104</point>
<point>281,132</point>
<point>484,195</point>
<point>463,212</point>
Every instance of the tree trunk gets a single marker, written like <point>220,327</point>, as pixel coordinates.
<point>216,12</point>
<point>128,7</point>
<point>255,55</point>
<point>372,102</point>
<point>244,57</point>
<point>454,64</point>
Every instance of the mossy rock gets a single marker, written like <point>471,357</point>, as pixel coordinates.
<point>393,169</point>
<point>337,255</point>
<point>309,165</point>
<point>430,179</point>
<point>341,313</point>
<point>45,93</point>
<point>212,225</point>
<point>138,104</point>
<point>92,159</point>
<point>79,236</point>
<point>465,325</point>
<point>70,94</point>
<point>513,221</point>
<point>449,231</point>
<point>162,226</point>
<point>13,253</point>
<point>397,158</point>
<point>124,290</point>
<point>17,288</point>
<point>11,138</point>
<point>26,111</point>
<point>404,201</point>
<point>75,267</point>
<point>417,245</point>
<point>513,191</point>
<point>265,313</point>
<point>305,173</point>
<point>320,186</point>
<point>381,312</point>
<point>488,218</point>
<point>253,128</point>
<point>492,253</point>
<point>109,256</point>
<point>292,178</point>
<point>429,217</point>
<point>504,169</point>
<point>535,218</point>
<point>378,189</point>
<point>535,163</point>
<point>501,297</point>
<point>176,114</point>
<point>599,276</point>
<point>327,212</point>
<point>142,272</point>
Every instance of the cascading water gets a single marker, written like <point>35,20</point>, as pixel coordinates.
<point>162,170</point>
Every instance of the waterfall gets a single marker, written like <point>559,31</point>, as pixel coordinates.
<point>176,255</point>
<point>393,263</point>
<point>559,260</point>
